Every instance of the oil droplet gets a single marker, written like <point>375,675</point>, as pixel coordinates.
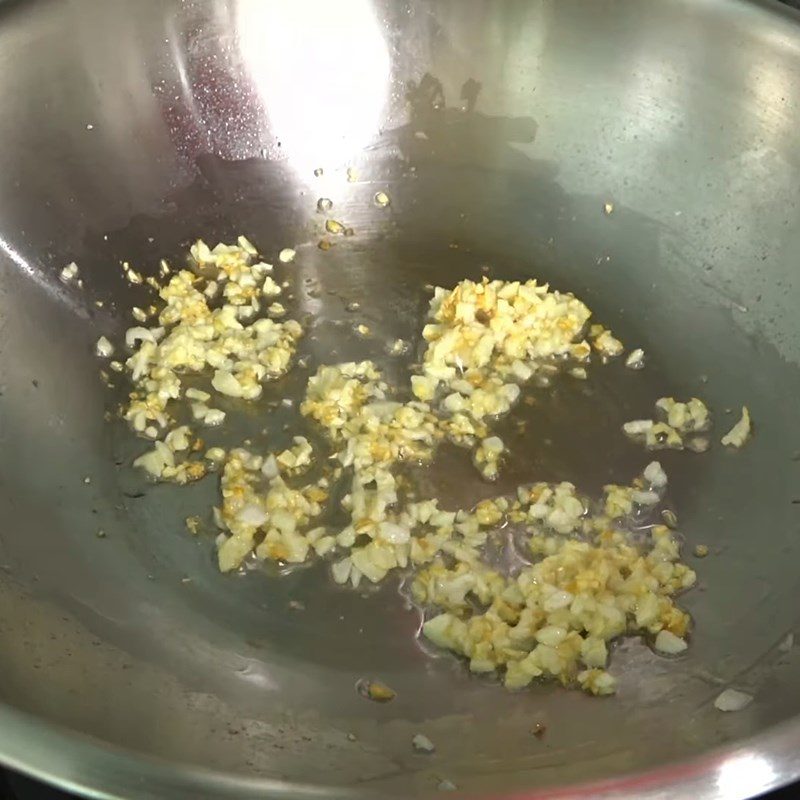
<point>324,204</point>
<point>334,227</point>
<point>381,199</point>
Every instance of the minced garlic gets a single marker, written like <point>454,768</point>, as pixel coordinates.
<point>679,426</point>
<point>589,573</point>
<point>740,432</point>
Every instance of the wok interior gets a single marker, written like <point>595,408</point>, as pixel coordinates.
<point>533,119</point>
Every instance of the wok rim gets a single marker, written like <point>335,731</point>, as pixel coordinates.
<point>96,769</point>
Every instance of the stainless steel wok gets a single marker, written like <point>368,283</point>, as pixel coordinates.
<point>129,667</point>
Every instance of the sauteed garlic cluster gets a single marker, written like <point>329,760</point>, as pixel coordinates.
<point>584,571</point>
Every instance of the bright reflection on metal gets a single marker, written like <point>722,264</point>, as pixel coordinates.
<point>256,674</point>
<point>321,70</point>
<point>774,86</point>
<point>745,776</point>
<point>179,59</point>
<point>37,274</point>
<point>9,250</point>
